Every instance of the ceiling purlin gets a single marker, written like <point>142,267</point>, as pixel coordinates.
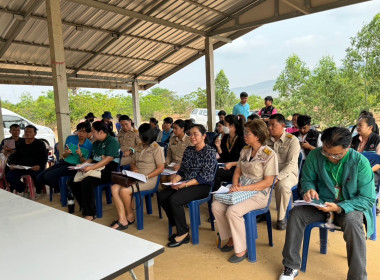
<point>18,25</point>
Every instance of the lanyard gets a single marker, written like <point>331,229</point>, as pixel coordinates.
<point>335,177</point>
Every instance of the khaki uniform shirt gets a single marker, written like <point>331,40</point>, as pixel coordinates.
<point>263,164</point>
<point>129,139</point>
<point>147,159</point>
<point>177,148</point>
<point>287,149</point>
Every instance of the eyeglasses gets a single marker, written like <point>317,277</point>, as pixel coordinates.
<point>333,156</point>
<point>247,133</point>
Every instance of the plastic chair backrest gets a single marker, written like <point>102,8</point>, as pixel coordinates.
<point>271,190</point>
<point>120,157</point>
<point>210,136</point>
<point>165,146</point>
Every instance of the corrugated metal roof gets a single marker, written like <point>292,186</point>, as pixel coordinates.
<point>122,40</point>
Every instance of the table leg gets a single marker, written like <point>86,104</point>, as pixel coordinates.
<point>148,269</point>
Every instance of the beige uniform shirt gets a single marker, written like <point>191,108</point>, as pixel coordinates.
<point>176,149</point>
<point>147,159</point>
<point>129,139</point>
<point>263,164</point>
<point>287,149</point>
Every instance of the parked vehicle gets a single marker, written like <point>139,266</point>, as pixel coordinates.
<point>200,116</point>
<point>43,133</point>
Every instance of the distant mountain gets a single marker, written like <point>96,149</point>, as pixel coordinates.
<point>260,89</point>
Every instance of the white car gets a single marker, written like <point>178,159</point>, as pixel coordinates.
<point>200,116</point>
<point>43,133</point>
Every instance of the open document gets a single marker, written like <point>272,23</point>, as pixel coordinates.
<point>311,203</point>
<point>223,189</point>
<point>175,184</point>
<point>80,166</point>
<point>168,172</point>
<point>138,176</point>
<point>23,167</point>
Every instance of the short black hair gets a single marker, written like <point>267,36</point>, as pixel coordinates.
<point>278,117</point>
<point>253,117</point>
<point>124,118</point>
<point>15,125</point>
<point>180,123</point>
<point>153,120</point>
<point>296,115</point>
<point>100,126</point>
<point>369,120</point>
<point>221,122</point>
<point>222,113</point>
<point>303,120</point>
<point>336,136</point>
<point>189,124</point>
<point>201,129</point>
<point>168,120</point>
<point>31,126</point>
<point>270,98</point>
<point>147,133</point>
<point>243,94</point>
<point>84,125</point>
<point>365,112</point>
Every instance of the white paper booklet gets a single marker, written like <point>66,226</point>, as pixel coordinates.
<point>80,166</point>
<point>168,172</point>
<point>224,189</point>
<point>135,175</point>
<point>21,167</point>
<point>311,203</point>
<point>175,184</point>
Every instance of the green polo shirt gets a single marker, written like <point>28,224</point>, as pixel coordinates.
<point>108,147</point>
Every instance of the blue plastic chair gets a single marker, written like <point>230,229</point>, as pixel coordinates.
<point>295,187</point>
<point>99,193</point>
<point>165,146</point>
<point>195,215</point>
<point>210,136</point>
<point>251,227</point>
<point>148,201</point>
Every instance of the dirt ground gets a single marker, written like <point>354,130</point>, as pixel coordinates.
<point>205,261</point>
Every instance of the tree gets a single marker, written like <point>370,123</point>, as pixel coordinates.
<point>224,97</point>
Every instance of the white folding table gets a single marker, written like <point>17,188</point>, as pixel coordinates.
<point>40,242</point>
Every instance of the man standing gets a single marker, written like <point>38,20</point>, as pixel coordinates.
<point>31,153</point>
<point>287,150</point>
<point>343,180</point>
<point>242,107</point>
<point>268,110</point>
<point>309,138</point>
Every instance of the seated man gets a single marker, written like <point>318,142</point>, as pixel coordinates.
<point>268,110</point>
<point>287,150</point>
<point>128,138</point>
<point>31,153</point>
<point>327,171</point>
<point>294,127</point>
<point>309,138</point>
<point>14,130</point>
<point>77,150</point>
<point>167,131</point>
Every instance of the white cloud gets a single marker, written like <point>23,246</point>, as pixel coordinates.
<point>304,41</point>
<point>244,45</point>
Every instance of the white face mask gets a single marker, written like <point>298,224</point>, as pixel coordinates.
<point>226,130</point>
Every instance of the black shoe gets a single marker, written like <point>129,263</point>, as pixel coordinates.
<point>235,259</point>
<point>226,248</point>
<point>281,225</point>
<point>261,218</point>
<point>174,243</point>
<point>172,237</point>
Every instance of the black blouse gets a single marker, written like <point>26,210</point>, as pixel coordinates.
<point>231,154</point>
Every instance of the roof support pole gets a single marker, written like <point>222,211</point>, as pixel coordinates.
<point>136,104</point>
<point>1,123</point>
<point>210,83</point>
<point>58,65</point>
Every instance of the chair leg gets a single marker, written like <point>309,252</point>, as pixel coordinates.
<point>194,221</point>
<point>99,202</point>
<point>63,189</point>
<point>159,206</point>
<point>251,232</point>
<point>148,204</point>
<point>28,181</point>
<point>139,212</point>
<point>108,194</point>
<point>323,234</point>
<point>51,190</point>
<point>211,215</point>
<point>306,242</point>
<point>373,237</point>
<point>269,228</point>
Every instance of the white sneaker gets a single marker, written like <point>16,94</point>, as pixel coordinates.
<point>288,274</point>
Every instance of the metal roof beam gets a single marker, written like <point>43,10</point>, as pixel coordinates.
<point>96,29</point>
<point>19,25</point>
<point>205,7</point>
<point>86,52</point>
<point>133,14</point>
<point>296,6</point>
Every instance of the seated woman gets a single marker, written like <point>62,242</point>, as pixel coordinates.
<point>229,148</point>
<point>258,166</point>
<point>105,154</point>
<point>77,150</point>
<point>149,160</point>
<point>196,174</point>
<point>177,146</point>
<point>128,138</point>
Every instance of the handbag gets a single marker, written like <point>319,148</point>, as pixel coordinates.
<point>80,175</point>
<point>126,182</point>
<point>237,197</point>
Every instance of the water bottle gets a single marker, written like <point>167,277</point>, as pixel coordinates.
<point>70,201</point>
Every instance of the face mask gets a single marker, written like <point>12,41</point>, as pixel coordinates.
<point>226,130</point>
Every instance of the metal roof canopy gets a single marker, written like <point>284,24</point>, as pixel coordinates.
<point>126,44</point>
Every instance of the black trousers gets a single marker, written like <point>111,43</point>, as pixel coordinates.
<point>13,177</point>
<point>85,195</point>
<point>173,201</point>
<point>223,176</point>
<point>51,175</point>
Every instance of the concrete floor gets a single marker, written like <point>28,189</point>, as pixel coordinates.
<point>205,261</point>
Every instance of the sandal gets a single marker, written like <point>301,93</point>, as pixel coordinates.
<point>130,223</point>
<point>120,226</point>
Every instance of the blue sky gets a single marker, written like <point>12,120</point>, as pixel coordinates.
<point>261,54</point>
